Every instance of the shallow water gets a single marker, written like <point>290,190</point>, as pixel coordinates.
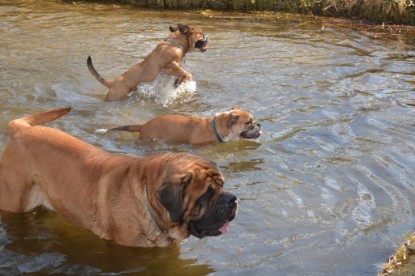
<point>326,190</point>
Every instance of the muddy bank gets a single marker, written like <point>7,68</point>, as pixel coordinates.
<point>403,261</point>
<point>396,11</point>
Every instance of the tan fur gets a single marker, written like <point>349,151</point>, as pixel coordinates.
<point>197,130</point>
<point>101,191</point>
<point>166,56</point>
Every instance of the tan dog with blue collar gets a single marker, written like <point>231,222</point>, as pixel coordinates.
<point>167,56</point>
<point>224,127</point>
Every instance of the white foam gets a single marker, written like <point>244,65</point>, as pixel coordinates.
<point>101,130</point>
<point>163,91</point>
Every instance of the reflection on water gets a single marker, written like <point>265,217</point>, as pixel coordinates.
<point>39,241</point>
<point>327,189</point>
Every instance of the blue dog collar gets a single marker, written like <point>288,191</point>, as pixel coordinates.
<point>216,132</point>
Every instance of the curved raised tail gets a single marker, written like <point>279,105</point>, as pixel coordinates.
<point>95,73</point>
<point>131,128</point>
<point>37,119</point>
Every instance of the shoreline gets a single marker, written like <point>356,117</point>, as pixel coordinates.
<point>380,11</point>
<point>402,260</point>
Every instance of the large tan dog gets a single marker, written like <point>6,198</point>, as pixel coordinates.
<point>140,202</point>
<point>224,127</point>
<point>166,56</point>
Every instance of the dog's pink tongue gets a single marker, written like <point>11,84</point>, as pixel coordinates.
<point>225,228</point>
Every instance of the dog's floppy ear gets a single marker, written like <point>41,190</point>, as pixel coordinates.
<point>173,29</point>
<point>232,119</point>
<point>184,29</point>
<point>172,196</point>
<point>171,199</point>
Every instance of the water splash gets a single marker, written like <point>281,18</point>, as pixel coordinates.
<point>162,90</point>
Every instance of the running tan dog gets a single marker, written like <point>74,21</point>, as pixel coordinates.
<point>140,202</point>
<point>166,56</point>
<point>224,127</point>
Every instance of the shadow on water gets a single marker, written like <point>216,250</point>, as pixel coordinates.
<point>40,242</point>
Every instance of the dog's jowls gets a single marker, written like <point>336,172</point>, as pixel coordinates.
<point>167,56</point>
<point>141,202</point>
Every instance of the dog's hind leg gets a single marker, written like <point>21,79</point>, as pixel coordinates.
<point>14,186</point>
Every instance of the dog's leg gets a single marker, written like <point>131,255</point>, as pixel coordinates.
<point>13,187</point>
<point>116,93</point>
<point>175,69</point>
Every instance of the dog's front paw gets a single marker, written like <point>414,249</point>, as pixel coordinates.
<point>188,77</point>
<point>177,82</point>
<point>185,77</point>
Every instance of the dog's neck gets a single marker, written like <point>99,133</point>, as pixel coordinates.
<point>149,210</point>
<point>178,43</point>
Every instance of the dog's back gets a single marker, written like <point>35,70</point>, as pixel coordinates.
<point>37,159</point>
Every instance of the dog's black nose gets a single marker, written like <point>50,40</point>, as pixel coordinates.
<point>230,200</point>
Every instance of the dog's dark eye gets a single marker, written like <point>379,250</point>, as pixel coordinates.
<point>249,123</point>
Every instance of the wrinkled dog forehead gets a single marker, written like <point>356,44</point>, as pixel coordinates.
<point>195,166</point>
<point>243,114</point>
<point>196,30</point>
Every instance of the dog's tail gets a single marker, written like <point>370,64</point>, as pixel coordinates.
<point>37,119</point>
<point>95,73</point>
<point>131,128</point>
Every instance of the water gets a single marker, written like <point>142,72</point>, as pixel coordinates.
<point>326,190</point>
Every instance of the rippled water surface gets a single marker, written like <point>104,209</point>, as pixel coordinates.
<point>328,189</point>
